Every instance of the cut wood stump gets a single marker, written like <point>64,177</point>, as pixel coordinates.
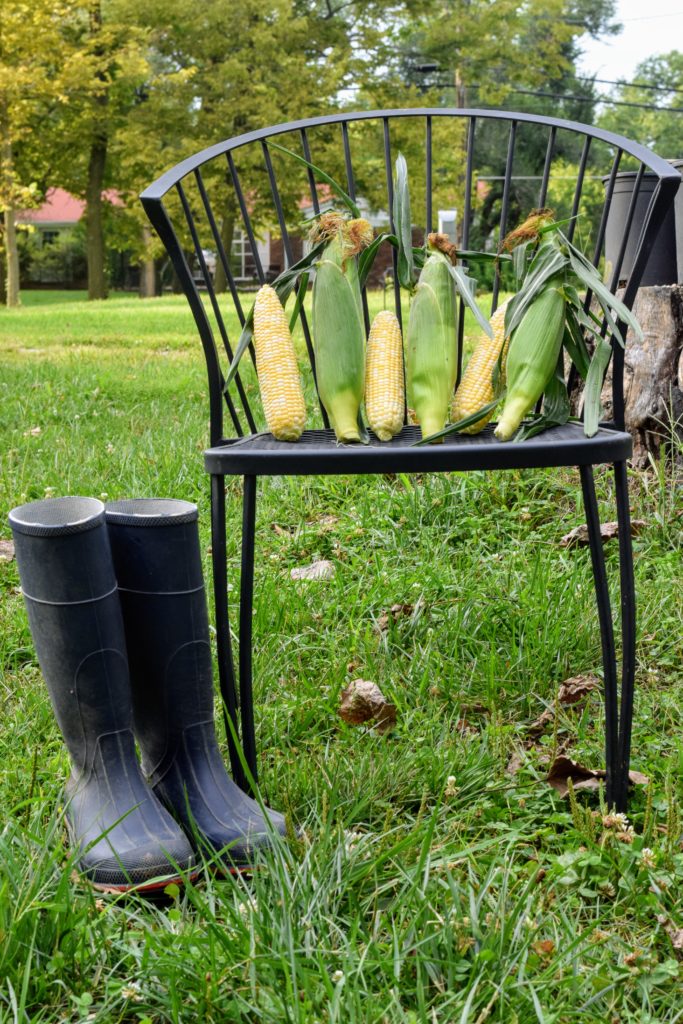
<point>653,373</point>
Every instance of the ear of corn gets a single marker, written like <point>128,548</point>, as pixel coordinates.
<point>432,345</point>
<point>277,369</point>
<point>476,387</point>
<point>384,388</point>
<point>338,326</point>
<point>532,357</point>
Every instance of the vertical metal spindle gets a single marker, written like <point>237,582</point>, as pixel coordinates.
<point>428,175</point>
<point>351,187</point>
<point>226,666</point>
<point>549,154</point>
<point>245,627</point>
<point>606,634</point>
<point>571,227</point>
<point>628,630</point>
<point>246,219</point>
<point>390,197</point>
<point>311,180</point>
<point>466,218</point>
<point>202,262</point>
<point>505,205</point>
<point>214,301</point>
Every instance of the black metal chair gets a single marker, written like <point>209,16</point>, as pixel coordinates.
<point>250,180</point>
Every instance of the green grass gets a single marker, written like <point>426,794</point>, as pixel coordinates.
<point>406,899</point>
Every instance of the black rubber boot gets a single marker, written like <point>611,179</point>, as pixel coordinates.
<point>124,837</point>
<point>155,546</point>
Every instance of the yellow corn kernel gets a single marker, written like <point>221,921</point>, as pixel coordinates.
<point>476,387</point>
<point>384,388</point>
<point>282,396</point>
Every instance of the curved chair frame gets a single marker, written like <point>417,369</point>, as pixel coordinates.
<point>250,453</point>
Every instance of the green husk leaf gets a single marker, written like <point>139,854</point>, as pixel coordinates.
<point>403,223</point>
<point>593,388</point>
<point>575,343</point>
<point>519,261</point>
<point>283,285</point>
<point>588,275</point>
<point>548,262</point>
<point>466,287</point>
<point>556,406</point>
<point>466,421</point>
<point>300,297</point>
<point>367,256</point>
<point>474,256</point>
<point>334,185</point>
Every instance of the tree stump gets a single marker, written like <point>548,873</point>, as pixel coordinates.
<point>653,373</point>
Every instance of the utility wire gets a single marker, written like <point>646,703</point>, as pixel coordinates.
<point>568,96</point>
<point>628,85</point>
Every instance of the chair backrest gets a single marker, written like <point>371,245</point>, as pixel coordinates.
<point>483,168</point>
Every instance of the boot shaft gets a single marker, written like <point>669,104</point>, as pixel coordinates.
<point>69,587</point>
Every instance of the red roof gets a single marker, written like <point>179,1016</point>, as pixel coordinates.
<point>60,207</point>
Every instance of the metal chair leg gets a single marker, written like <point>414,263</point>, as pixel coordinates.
<point>246,602</point>
<point>628,630</point>
<point>606,637</point>
<point>226,666</point>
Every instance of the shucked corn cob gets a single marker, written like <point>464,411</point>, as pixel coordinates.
<point>338,326</point>
<point>476,387</point>
<point>276,366</point>
<point>532,357</point>
<point>384,389</point>
<point>432,345</point>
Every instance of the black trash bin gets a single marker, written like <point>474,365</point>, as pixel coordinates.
<point>661,267</point>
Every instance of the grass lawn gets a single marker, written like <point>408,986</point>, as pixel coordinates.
<point>438,877</point>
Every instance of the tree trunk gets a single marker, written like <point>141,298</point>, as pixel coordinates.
<point>11,289</point>
<point>97,284</point>
<point>148,276</point>
<point>653,373</point>
<point>220,281</point>
<point>3,278</point>
<point>12,259</point>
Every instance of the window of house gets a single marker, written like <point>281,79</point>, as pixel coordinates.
<point>49,236</point>
<point>241,257</point>
<point>448,223</point>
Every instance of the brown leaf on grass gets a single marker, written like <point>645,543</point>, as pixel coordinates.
<point>578,537</point>
<point>515,763</point>
<point>362,701</point>
<point>544,947</point>
<point>674,933</point>
<point>324,523</point>
<point>575,689</point>
<point>396,612</point>
<point>6,550</point>
<point>538,727</point>
<point>563,768</point>
<point>281,531</point>
<point>321,570</point>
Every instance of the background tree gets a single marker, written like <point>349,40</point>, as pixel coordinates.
<point>659,83</point>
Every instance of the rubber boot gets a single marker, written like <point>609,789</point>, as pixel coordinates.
<point>123,836</point>
<point>155,546</point>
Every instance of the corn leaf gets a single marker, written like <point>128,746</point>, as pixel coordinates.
<point>548,262</point>
<point>556,407</point>
<point>519,261</point>
<point>575,344</point>
<point>466,287</point>
<point>283,285</point>
<point>334,185</point>
<point>367,256</point>
<point>588,276</point>
<point>403,225</point>
<point>300,297</point>
<point>466,421</point>
<point>593,388</point>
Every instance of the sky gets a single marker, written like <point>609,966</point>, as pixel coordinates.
<point>648,29</point>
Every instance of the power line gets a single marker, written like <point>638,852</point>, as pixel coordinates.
<point>569,96</point>
<point>628,85</point>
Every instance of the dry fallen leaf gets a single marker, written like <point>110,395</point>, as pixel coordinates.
<point>33,432</point>
<point>281,531</point>
<point>322,570</point>
<point>674,933</point>
<point>564,768</point>
<point>363,701</point>
<point>6,550</point>
<point>575,689</point>
<point>325,523</point>
<point>538,727</point>
<point>515,763</point>
<point>544,947</point>
<point>396,612</point>
<point>578,537</point>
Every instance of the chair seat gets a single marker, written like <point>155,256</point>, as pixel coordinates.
<point>317,452</point>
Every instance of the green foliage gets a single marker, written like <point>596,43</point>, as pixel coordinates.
<point>658,129</point>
